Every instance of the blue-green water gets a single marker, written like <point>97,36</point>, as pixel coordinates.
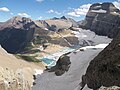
<point>47,60</point>
<point>51,61</point>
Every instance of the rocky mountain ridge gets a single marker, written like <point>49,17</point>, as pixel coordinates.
<point>104,69</point>
<point>55,23</point>
<point>103,19</point>
<point>18,23</point>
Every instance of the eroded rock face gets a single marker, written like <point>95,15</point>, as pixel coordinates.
<point>14,40</point>
<point>103,19</point>
<point>10,80</point>
<point>42,24</point>
<point>104,69</point>
<point>16,33</point>
<point>61,66</point>
<point>61,23</point>
<point>18,23</point>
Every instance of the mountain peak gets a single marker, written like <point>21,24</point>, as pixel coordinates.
<point>18,22</point>
<point>107,6</point>
<point>55,18</point>
<point>63,17</point>
<point>19,18</point>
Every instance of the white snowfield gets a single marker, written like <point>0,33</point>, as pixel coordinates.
<point>95,47</point>
<point>99,11</point>
<point>38,72</point>
<point>79,63</point>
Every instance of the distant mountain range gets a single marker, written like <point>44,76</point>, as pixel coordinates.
<point>57,23</point>
<point>18,31</point>
<point>50,24</point>
<point>103,19</point>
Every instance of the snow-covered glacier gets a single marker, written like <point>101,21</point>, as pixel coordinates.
<point>79,62</point>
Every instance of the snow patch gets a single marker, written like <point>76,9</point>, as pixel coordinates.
<point>38,72</point>
<point>99,11</point>
<point>95,47</point>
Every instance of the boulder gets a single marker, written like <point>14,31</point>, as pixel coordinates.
<point>61,66</point>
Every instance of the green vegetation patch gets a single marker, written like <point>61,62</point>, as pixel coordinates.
<point>27,58</point>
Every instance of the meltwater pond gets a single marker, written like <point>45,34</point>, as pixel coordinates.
<point>50,60</point>
<point>47,61</point>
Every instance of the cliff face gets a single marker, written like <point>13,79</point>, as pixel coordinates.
<point>103,19</point>
<point>13,40</point>
<point>104,69</point>
<point>16,33</point>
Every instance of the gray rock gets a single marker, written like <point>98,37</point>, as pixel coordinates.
<point>103,19</point>
<point>16,33</point>
<point>104,69</point>
<point>61,66</point>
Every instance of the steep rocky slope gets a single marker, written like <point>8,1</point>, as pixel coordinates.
<point>14,40</point>
<point>104,69</point>
<point>16,74</point>
<point>42,23</point>
<point>16,33</point>
<point>103,19</point>
<point>55,24</point>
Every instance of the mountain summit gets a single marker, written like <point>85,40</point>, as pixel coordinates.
<point>63,17</point>
<point>18,22</point>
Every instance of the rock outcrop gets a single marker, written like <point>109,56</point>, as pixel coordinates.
<point>103,19</point>
<point>104,69</point>
<point>61,66</point>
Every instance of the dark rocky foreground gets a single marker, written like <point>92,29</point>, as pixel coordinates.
<point>103,19</point>
<point>104,69</point>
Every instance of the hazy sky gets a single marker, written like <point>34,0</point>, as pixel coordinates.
<point>44,9</point>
